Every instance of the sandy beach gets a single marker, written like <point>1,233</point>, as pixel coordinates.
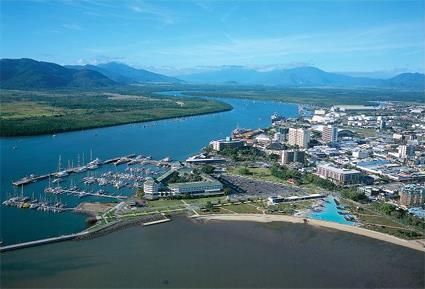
<point>413,244</point>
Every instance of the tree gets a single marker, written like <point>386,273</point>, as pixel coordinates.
<point>244,171</point>
<point>209,206</point>
<point>207,169</point>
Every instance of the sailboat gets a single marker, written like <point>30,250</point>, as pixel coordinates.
<point>60,173</point>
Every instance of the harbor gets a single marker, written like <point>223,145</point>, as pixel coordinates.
<point>112,180</point>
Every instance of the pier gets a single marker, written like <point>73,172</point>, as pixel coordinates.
<point>84,194</point>
<point>34,178</point>
<point>42,242</point>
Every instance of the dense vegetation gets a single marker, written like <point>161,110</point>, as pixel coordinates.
<point>401,215</point>
<point>318,96</point>
<point>303,179</point>
<point>247,153</point>
<point>38,112</point>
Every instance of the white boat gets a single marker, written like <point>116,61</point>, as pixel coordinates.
<point>58,180</point>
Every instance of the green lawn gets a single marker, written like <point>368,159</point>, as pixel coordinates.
<point>203,201</point>
<point>165,203</point>
<point>241,209</point>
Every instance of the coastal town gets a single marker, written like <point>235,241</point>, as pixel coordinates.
<point>350,165</point>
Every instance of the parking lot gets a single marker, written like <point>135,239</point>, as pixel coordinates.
<point>259,188</point>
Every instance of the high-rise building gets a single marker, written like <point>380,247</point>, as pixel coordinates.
<point>405,151</point>
<point>412,195</point>
<point>291,156</point>
<point>330,134</point>
<point>299,137</point>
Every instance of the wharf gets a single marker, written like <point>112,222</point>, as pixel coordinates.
<point>156,222</point>
<point>118,158</point>
<point>42,242</point>
<point>82,193</point>
<point>34,178</point>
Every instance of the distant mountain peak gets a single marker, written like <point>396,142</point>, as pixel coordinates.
<point>29,73</point>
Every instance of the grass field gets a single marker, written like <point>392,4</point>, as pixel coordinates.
<point>165,203</point>
<point>241,209</point>
<point>32,113</point>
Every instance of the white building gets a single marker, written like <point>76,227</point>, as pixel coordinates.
<point>299,137</point>
<point>219,145</point>
<point>361,154</point>
<point>405,151</point>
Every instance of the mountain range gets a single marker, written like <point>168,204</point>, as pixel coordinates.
<point>306,76</point>
<point>125,74</point>
<point>28,73</point>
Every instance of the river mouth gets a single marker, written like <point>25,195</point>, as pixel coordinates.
<point>217,254</point>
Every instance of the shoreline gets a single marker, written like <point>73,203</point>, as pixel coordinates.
<point>119,124</point>
<point>412,244</point>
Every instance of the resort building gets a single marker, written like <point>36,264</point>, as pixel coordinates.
<point>157,188</point>
<point>338,176</point>
<point>151,188</point>
<point>206,187</point>
<point>227,143</point>
<point>299,137</point>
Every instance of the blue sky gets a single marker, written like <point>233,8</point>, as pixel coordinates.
<point>173,35</point>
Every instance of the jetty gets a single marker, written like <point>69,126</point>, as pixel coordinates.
<point>34,178</point>
<point>42,242</point>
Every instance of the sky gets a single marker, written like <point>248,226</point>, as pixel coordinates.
<point>177,37</point>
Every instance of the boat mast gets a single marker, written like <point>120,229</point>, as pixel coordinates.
<point>59,163</point>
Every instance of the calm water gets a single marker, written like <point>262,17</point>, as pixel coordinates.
<point>188,254</point>
<point>330,213</point>
<point>175,138</point>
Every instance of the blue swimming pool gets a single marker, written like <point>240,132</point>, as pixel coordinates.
<point>330,213</point>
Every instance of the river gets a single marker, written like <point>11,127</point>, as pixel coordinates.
<point>176,138</point>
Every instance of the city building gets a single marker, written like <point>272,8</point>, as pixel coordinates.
<point>263,139</point>
<point>227,143</point>
<point>337,175</point>
<point>279,137</point>
<point>330,134</point>
<point>361,153</point>
<point>291,156</point>
<point>299,137</point>
<point>412,195</point>
<point>405,151</point>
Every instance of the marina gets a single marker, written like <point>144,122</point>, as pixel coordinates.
<point>38,155</point>
<point>132,177</point>
<point>78,169</point>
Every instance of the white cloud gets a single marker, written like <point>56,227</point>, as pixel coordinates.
<point>372,40</point>
<point>73,26</point>
<point>158,13</point>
